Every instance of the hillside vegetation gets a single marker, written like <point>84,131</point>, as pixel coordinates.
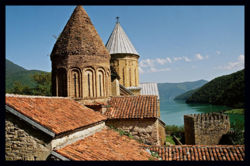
<point>168,91</point>
<point>15,73</point>
<point>186,95</point>
<point>225,90</point>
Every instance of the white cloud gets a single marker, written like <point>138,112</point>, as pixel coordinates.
<point>218,52</point>
<point>147,63</point>
<point>151,65</point>
<point>239,64</point>
<point>169,60</point>
<point>153,69</point>
<point>163,61</point>
<point>186,59</point>
<point>199,56</point>
<point>177,58</point>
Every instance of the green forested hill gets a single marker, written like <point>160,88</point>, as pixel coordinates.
<point>169,91</point>
<point>15,72</point>
<point>186,95</point>
<point>225,90</point>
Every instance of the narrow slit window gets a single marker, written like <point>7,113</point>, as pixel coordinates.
<point>100,83</point>
<point>89,84</point>
<point>75,85</point>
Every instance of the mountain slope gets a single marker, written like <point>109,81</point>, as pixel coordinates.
<point>14,72</point>
<point>225,90</point>
<point>186,95</point>
<point>169,91</point>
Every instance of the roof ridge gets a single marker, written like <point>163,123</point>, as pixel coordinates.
<point>33,96</point>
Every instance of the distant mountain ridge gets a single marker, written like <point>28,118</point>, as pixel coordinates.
<point>14,72</point>
<point>169,91</point>
<point>226,90</point>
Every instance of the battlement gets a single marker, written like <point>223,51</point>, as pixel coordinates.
<point>208,116</point>
<point>206,129</point>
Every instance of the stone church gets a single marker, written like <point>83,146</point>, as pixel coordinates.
<point>95,89</point>
<point>81,69</point>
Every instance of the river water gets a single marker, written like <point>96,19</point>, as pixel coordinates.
<point>172,112</point>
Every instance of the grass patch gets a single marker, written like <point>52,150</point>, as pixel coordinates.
<point>240,111</point>
<point>170,139</point>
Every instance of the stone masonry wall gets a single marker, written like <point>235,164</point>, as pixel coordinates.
<point>28,144</point>
<point>205,129</point>
<point>143,129</point>
<point>162,133</point>
<point>126,65</point>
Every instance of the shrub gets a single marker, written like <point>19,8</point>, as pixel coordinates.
<point>235,136</point>
<point>177,131</point>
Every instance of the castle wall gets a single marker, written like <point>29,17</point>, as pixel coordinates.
<point>28,144</point>
<point>146,130</point>
<point>205,129</point>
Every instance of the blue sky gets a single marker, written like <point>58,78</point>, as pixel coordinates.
<point>175,43</point>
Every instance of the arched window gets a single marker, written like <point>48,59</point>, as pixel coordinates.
<point>100,83</point>
<point>61,82</point>
<point>76,83</point>
<point>123,76</point>
<point>89,83</point>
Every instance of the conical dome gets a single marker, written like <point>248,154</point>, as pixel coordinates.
<point>79,37</point>
<point>119,43</point>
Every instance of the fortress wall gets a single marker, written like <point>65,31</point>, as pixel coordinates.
<point>205,129</point>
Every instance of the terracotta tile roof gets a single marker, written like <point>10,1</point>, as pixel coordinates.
<point>105,145</point>
<point>133,107</point>
<point>55,113</point>
<point>201,152</point>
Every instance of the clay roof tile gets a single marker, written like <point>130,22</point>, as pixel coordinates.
<point>201,152</point>
<point>54,113</point>
<point>129,107</point>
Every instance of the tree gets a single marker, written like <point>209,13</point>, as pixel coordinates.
<point>19,88</point>
<point>43,86</point>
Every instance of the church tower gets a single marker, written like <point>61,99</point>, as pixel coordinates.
<point>80,61</point>
<point>124,58</point>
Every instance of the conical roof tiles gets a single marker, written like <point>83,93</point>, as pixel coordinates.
<point>79,37</point>
<point>119,42</point>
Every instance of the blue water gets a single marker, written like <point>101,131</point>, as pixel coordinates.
<point>172,112</point>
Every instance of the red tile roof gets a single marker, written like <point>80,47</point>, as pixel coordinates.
<point>55,113</point>
<point>145,106</point>
<point>105,145</point>
<point>201,152</point>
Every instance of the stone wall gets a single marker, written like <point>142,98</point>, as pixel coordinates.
<point>162,132</point>
<point>28,144</point>
<point>115,88</point>
<point>205,129</point>
<point>126,65</point>
<point>141,129</point>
